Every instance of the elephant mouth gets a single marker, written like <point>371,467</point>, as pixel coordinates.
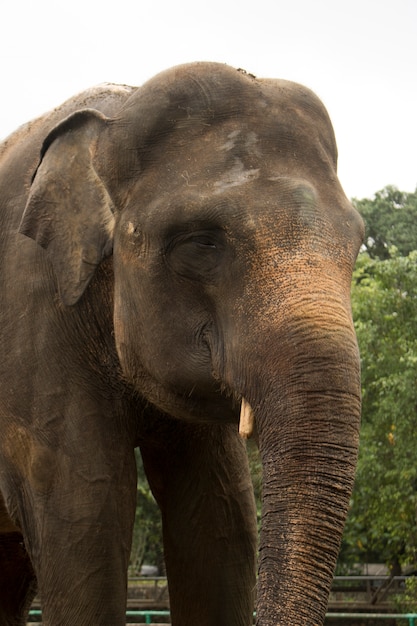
<point>203,405</point>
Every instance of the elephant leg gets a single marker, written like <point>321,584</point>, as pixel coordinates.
<point>76,508</point>
<point>200,478</point>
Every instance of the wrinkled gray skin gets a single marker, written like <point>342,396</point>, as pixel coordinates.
<point>179,247</point>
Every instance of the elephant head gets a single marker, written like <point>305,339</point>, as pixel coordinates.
<point>233,247</point>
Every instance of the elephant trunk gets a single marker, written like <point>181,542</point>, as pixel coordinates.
<point>308,428</point>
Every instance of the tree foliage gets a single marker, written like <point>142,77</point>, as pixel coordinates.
<point>147,545</point>
<point>382,521</point>
<point>391,220</point>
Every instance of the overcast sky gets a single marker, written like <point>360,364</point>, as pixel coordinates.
<point>359,56</point>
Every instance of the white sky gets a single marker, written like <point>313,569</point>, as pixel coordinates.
<point>359,56</point>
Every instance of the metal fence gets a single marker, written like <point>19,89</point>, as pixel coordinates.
<point>150,616</point>
<point>355,598</point>
<point>411,618</point>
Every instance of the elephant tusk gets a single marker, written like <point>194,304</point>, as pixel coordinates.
<point>247,420</point>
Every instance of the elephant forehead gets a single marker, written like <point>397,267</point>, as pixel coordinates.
<point>235,153</point>
<point>213,162</point>
<point>238,143</point>
<point>236,175</point>
<point>245,140</point>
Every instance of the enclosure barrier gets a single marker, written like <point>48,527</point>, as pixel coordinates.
<point>148,615</point>
<point>411,617</point>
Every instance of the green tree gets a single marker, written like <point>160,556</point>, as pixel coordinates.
<point>382,519</point>
<point>147,545</point>
<point>391,220</point>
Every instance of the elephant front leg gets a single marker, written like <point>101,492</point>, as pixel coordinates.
<point>77,511</point>
<point>200,478</point>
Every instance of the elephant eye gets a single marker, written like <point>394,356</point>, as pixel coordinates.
<point>205,242</point>
<point>197,255</point>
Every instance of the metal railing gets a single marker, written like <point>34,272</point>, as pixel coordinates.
<point>365,591</point>
<point>349,591</point>
<point>149,615</point>
<point>356,597</point>
<point>410,617</point>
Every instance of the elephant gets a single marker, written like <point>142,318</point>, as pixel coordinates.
<point>176,261</point>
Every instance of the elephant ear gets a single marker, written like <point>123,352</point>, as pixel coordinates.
<point>69,211</point>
